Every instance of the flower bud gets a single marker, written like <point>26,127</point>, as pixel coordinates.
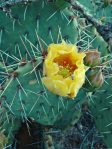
<point>92,58</point>
<point>96,78</point>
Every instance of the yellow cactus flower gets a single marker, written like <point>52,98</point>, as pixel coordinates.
<point>64,70</point>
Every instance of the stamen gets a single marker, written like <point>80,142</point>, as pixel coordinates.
<point>66,67</point>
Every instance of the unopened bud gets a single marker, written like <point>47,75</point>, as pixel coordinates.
<point>92,58</point>
<point>96,78</point>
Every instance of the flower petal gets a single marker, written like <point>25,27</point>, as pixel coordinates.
<point>55,86</point>
<point>62,48</point>
<point>50,68</point>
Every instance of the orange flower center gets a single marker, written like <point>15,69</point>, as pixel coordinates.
<point>66,67</point>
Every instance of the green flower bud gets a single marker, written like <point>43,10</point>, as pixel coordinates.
<point>92,58</point>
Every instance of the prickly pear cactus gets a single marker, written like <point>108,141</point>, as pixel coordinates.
<point>26,30</point>
<point>26,35</point>
<point>100,100</point>
<point>27,40</point>
<point>25,96</point>
<point>101,110</point>
<point>9,126</point>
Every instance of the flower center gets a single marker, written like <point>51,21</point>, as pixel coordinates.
<point>64,71</point>
<point>66,67</point>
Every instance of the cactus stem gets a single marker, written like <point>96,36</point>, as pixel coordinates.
<point>103,30</point>
<point>76,5</point>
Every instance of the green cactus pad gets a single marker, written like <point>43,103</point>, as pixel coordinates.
<point>89,38</point>
<point>9,125</point>
<point>101,109</point>
<point>26,97</point>
<point>34,25</point>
